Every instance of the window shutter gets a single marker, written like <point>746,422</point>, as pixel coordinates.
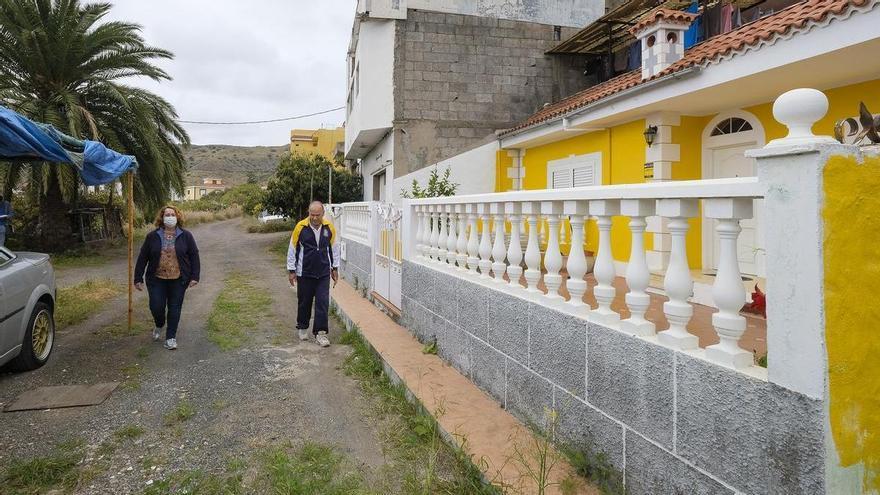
<point>562,179</point>
<point>584,176</point>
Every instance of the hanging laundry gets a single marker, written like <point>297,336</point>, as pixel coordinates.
<point>621,60</point>
<point>694,34</point>
<point>726,18</point>
<point>712,20</point>
<point>635,56</point>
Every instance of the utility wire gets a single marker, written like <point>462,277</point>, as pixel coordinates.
<point>260,121</point>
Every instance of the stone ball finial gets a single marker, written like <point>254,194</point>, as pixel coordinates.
<point>798,110</point>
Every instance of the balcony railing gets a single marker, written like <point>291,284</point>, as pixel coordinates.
<point>467,234</point>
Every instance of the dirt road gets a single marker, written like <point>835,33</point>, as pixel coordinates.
<point>272,390</point>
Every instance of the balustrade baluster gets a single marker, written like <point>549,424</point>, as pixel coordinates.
<point>485,246</point>
<point>435,231</point>
<point>441,235</point>
<point>514,250</point>
<point>637,274</point>
<point>499,252</point>
<point>473,244</point>
<point>426,232</point>
<point>604,272</point>
<point>728,291</point>
<point>419,230</point>
<point>678,283</point>
<point>553,255</point>
<point>461,246</point>
<point>533,250</point>
<point>577,260</point>
<point>452,236</point>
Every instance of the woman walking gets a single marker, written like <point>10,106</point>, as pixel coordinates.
<point>171,260</point>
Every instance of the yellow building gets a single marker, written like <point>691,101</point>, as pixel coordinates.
<point>209,185</point>
<point>325,142</point>
<point>702,110</point>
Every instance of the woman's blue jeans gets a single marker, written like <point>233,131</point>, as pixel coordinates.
<point>167,295</point>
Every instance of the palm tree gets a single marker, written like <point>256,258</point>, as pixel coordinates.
<point>61,63</point>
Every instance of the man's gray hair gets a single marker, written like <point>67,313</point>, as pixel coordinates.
<point>316,202</point>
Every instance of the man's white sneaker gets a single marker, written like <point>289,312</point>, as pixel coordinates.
<point>157,334</point>
<point>303,333</point>
<point>322,339</point>
<point>171,344</point>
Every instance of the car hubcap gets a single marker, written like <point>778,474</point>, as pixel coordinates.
<point>42,335</point>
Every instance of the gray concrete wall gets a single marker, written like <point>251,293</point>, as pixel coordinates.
<point>459,78</point>
<point>358,265</point>
<point>667,422</point>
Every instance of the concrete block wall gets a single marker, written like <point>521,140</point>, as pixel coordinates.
<point>668,422</point>
<point>358,263</point>
<point>459,78</point>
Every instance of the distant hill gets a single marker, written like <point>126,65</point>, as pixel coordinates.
<point>232,163</point>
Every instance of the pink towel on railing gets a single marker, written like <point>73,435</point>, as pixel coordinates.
<point>726,18</point>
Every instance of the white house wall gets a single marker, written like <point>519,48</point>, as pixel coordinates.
<point>371,79</point>
<point>473,171</point>
<point>380,157</point>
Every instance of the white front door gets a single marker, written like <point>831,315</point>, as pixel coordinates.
<point>727,162</point>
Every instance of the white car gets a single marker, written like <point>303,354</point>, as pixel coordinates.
<point>27,308</point>
<point>265,217</point>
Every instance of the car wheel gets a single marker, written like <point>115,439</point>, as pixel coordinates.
<point>39,339</point>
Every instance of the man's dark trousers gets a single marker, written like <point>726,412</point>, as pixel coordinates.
<point>309,290</point>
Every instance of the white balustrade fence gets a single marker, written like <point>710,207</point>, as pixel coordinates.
<point>467,234</point>
<point>354,221</point>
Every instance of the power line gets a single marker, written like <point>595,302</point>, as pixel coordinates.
<point>261,121</point>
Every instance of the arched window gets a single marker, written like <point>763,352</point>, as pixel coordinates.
<point>731,126</point>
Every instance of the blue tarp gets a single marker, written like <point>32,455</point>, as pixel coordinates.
<point>23,139</point>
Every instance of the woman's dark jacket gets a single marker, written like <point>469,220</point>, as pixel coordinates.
<point>151,251</point>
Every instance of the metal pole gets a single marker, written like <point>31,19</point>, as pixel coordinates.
<point>130,245</point>
<point>311,181</point>
<point>330,181</point>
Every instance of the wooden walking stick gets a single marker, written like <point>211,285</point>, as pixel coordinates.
<point>130,244</point>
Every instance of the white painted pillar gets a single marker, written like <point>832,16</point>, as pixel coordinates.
<point>603,210</point>
<point>426,231</point>
<point>451,236</point>
<point>728,292</point>
<point>677,283</point>
<point>499,252</point>
<point>577,261</point>
<point>533,251</point>
<point>473,244</point>
<point>419,232</point>
<point>637,274</point>
<point>461,246</point>
<point>514,250</point>
<point>485,245</point>
<point>435,230</point>
<point>553,255</point>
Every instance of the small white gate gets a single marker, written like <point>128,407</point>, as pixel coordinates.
<point>387,253</point>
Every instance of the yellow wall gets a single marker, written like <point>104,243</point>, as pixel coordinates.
<point>324,141</point>
<point>852,213</point>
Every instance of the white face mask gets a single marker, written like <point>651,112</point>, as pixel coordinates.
<point>170,221</point>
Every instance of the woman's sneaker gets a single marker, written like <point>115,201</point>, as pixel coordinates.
<point>303,333</point>
<point>171,344</point>
<point>157,334</point>
<point>322,339</point>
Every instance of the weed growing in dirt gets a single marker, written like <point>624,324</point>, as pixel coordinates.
<point>200,482</point>
<point>77,303</point>
<point>128,432</point>
<point>313,469</point>
<point>42,474</point>
<point>425,464</point>
<point>132,374</point>
<point>236,312</point>
<point>183,411</point>
<point>272,227</point>
<point>595,467</point>
<point>279,248</point>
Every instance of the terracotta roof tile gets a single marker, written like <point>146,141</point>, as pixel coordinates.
<point>668,15</point>
<point>749,36</point>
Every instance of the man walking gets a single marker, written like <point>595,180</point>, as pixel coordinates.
<point>5,217</point>
<point>312,260</point>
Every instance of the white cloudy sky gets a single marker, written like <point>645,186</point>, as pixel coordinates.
<point>241,60</point>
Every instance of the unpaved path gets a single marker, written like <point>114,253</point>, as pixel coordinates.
<point>274,389</point>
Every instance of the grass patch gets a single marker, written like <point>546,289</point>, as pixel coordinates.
<point>132,374</point>
<point>236,312</point>
<point>120,329</point>
<point>314,469</point>
<point>272,227</point>
<point>279,248</point>
<point>80,257</point>
<point>41,474</point>
<point>129,432</point>
<point>200,482</point>
<point>78,302</point>
<point>183,411</point>
<point>423,463</point>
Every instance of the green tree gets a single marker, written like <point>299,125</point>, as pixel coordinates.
<point>300,179</point>
<point>62,63</point>
<point>437,186</point>
<point>249,196</point>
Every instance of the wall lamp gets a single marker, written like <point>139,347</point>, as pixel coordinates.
<point>650,134</point>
